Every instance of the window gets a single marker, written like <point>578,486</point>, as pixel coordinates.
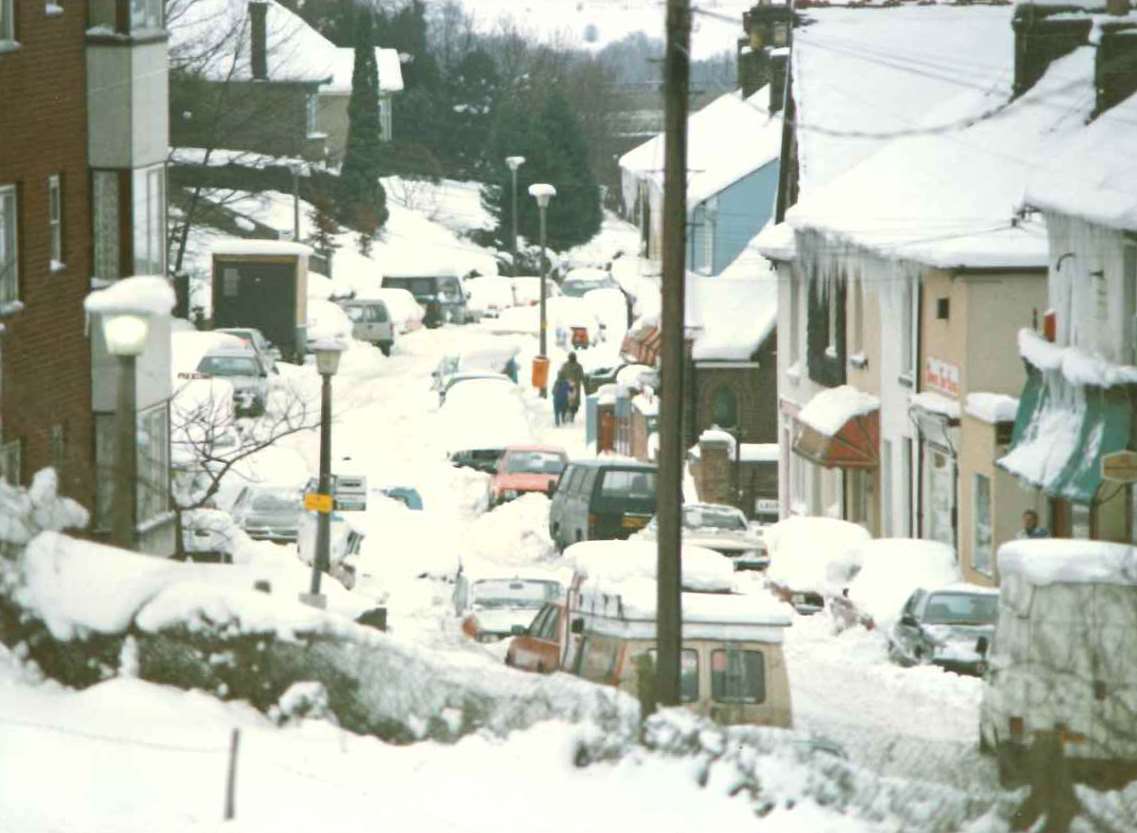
<point>7,20</point>
<point>55,220</point>
<point>311,111</point>
<point>738,676</point>
<point>9,264</point>
<point>858,340</point>
<point>11,462</point>
<point>982,545</point>
<point>781,34</point>
<point>149,218</point>
<point>907,332</point>
<point>628,484</point>
<point>724,408</point>
<point>943,308</point>
<point>597,659</point>
<point>939,496</point>
<point>145,14</point>
<point>886,475</point>
<point>688,674</point>
<point>105,201</point>
<point>831,320</point>
<point>153,463</point>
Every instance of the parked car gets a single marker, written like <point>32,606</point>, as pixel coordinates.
<point>474,438</point>
<point>1062,662</point>
<point>494,607</point>
<point>406,495</point>
<point>488,376</point>
<point>488,357</point>
<point>370,322</point>
<point>269,512</point>
<point>489,295</point>
<point>601,499</point>
<point>721,528</point>
<point>265,349</point>
<point>885,573</point>
<point>439,293</point>
<point>943,626</point>
<point>811,558</point>
<point>406,313</point>
<point>539,647</point>
<point>578,282</point>
<point>527,290</point>
<point>240,366</point>
<point>527,468</point>
<point>349,500</point>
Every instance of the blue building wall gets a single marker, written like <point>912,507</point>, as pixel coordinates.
<point>744,207</point>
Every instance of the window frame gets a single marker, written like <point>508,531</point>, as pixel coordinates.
<point>987,566</point>
<point>55,220</point>
<point>10,280</point>
<point>146,15</point>
<point>8,22</point>
<point>12,458</point>
<point>148,215</point>
<point>907,332</point>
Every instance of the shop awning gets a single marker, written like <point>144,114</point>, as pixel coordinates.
<point>840,428</point>
<point>642,346</point>
<point>1062,431</point>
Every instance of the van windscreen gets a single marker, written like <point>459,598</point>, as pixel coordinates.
<point>628,484</point>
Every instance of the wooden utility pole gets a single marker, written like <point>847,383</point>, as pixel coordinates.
<point>669,494</point>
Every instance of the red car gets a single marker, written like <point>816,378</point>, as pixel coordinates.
<point>539,648</point>
<point>527,468</point>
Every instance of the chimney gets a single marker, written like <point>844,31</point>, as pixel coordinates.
<point>1115,66</point>
<point>1040,40</point>
<point>779,60</point>
<point>258,47</point>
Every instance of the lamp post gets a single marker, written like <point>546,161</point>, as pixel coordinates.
<point>327,352</point>
<point>543,192</point>
<point>514,163</point>
<point>296,170</point>
<point>125,334</point>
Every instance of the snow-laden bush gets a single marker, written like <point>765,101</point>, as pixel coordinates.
<point>25,512</point>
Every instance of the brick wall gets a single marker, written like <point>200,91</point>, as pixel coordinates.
<point>44,352</point>
<point>756,389</point>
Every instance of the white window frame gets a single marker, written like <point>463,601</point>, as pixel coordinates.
<point>982,552</point>
<point>145,15</point>
<point>148,207</point>
<point>55,220</point>
<point>7,22</point>
<point>9,243</point>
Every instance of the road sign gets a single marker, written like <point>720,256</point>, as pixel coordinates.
<point>1120,466</point>
<point>316,502</point>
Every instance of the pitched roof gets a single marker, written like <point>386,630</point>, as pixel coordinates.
<point>726,140</point>
<point>736,309</point>
<point>387,61</point>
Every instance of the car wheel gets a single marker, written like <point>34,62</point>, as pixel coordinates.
<point>385,346</point>
<point>540,668</point>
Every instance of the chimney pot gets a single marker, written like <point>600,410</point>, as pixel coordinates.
<point>258,46</point>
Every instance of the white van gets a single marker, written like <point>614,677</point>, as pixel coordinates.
<point>732,668</point>
<point>370,322</point>
<point>1063,659</point>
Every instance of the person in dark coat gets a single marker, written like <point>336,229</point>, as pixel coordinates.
<point>562,388</point>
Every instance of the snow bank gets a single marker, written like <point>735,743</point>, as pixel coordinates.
<point>143,294</point>
<point>327,320</point>
<point>1058,561</point>
<point>991,407</point>
<point>24,512</point>
<point>891,568</point>
<point>831,408</point>
<point>809,553</point>
<point>514,533</point>
<point>614,562</point>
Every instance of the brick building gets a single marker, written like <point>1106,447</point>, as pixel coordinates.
<point>45,246</point>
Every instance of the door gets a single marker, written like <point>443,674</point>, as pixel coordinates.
<point>261,295</point>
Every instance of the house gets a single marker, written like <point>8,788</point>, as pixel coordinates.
<point>904,267</point>
<point>1074,430</point>
<point>730,183</point>
<point>82,204</point>
<point>255,76</point>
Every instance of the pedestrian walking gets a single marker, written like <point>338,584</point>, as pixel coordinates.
<point>573,402</point>
<point>573,371</point>
<point>561,390</point>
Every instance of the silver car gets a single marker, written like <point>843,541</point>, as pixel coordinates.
<point>268,513</point>
<point>721,528</point>
<point>242,368</point>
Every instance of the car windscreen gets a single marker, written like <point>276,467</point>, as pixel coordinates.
<point>449,289</point>
<point>577,288</point>
<point>229,366</point>
<point>491,593</point>
<point>705,517</point>
<point>962,609</point>
<point>628,484</point>
<point>277,500</point>
<point>419,287</point>
<point>534,462</point>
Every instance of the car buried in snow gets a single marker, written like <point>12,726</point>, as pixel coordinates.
<point>943,627</point>
<point>721,528</point>
<point>493,606</point>
<point>527,468</point>
<point>538,649</point>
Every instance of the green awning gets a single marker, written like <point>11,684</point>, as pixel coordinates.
<point>1062,430</point>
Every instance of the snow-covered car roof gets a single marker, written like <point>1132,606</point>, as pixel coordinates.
<point>808,553</point>
<point>187,348</point>
<point>1067,561</point>
<point>613,562</point>
<point>891,569</point>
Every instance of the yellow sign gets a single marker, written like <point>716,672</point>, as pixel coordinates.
<point>316,502</point>
<point>1120,466</point>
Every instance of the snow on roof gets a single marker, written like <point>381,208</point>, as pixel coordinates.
<point>239,246</point>
<point>213,37</point>
<point>736,311</point>
<point>759,453</point>
<point>613,562</point>
<point>808,553</point>
<point>1058,561</point>
<point>991,407</point>
<point>777,242</point>
<point>831,408</point>
<point>891,568</point>
<point>142,294</point>
<point>387,61</point>
<point>1091,172</point>
<point>977,174</point>
<point>1076,365</point>
<point>934,403</point>
<point>715,161</point>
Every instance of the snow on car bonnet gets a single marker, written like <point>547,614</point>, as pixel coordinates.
<point>613,562</point>
<point>891,568</point>
<point>812,553</point>
<point>1060,561</point>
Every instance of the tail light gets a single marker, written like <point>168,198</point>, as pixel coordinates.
<point>593,522</point>
<point>1017,728</point>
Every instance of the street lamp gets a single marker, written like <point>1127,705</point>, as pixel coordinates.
<point>296,168</point>
<point>514,163</point>
<point>543,192</point>
<point>126,308</point>
<point>327,352</point>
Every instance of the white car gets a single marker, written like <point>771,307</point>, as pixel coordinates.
<point>721,528</point>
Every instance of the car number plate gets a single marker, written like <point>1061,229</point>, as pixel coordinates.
<point>632,522</point>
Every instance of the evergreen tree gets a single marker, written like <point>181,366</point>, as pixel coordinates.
<point>364,203</point>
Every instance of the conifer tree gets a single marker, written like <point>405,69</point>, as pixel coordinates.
<point>364,202</point>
